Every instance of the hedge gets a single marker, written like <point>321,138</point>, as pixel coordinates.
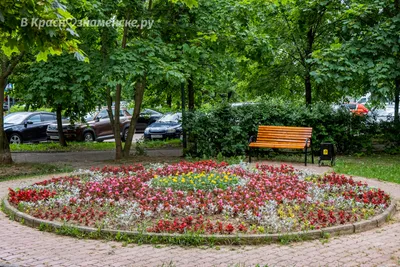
<point>226,130</point>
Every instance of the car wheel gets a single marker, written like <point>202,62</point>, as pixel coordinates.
<point>88,137</point>
<point>125,134</point>
<point>15,139</point>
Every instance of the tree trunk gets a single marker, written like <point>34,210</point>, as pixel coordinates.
<point>117,126</point>
<point>60,127</point>
<point>5,153</point>
<point>169,100</point>
<point>6,68</point>
<point>191,93</point>
<point>307,84</point>
<point>307,77</point>
<point>139,93</point>
<point>396,100</point>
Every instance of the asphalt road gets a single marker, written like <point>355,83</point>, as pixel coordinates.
<point>86,156</point>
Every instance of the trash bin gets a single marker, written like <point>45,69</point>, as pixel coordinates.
<point>327,152</point>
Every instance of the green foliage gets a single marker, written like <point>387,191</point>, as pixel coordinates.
<point>23,170</point>
<point>91,146</point>
<point>63,82</point>
<point>18,108</point>
<point>390,133</point>
<point>365,52</point>
<point>56,147</point>
<point>15,37</point>
<point>139,149</point>
<point>226,130</point>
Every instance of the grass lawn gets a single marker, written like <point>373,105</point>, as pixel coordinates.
<point>383,167</point>
<point>379,166</point>
<point>86,146</point>
<point>22,170</point>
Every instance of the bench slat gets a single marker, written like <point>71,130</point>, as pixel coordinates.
<point>284,128</point>
<point>277,145</point>
<point>289,136</point>
<point>281,140</point>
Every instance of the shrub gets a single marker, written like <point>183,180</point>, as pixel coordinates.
<point>227,129</point>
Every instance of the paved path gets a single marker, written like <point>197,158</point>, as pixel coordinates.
<point>24,246</point>
<point>86,156</point>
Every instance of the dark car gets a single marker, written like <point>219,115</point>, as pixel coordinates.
<point>146,117</point>
<point>21,127</point>
<point>168,126</point>
<point>96,127</point>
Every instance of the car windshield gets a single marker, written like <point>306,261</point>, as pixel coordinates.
<point>14,118</point>
<point>89,117</point>
<point>144,111</point>
<point>171,118</point>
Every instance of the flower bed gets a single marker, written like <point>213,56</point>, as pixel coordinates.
<point>202,197</point>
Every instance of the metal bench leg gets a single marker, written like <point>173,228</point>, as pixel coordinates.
<point>312,155</point>
<point>305,156</point>
<point>250,155</point>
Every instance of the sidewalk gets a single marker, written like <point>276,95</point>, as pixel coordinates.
<point>24,246</point>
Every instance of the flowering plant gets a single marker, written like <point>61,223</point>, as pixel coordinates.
<point>193,181</point>
<point>202,197</point>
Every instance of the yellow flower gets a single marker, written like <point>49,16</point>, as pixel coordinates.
<point>183,180</point>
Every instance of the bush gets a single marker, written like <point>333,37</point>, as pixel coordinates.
<point>227,129</point>
<point>390,132</point>
<point>18,108</point>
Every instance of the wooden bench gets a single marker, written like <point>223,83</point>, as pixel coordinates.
<point>283,137</point>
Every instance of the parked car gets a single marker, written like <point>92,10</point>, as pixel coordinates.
<point>21,127</point>
<point>168,126</point>
<point>146,117</point>
<point>357,108</point>
<point>385,114</point>
<point>96,127</point>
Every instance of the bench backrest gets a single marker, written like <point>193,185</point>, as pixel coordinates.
<point>283,134</point>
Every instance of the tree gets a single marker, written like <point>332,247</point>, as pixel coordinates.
<point>367,52</point>
<point>18,39</point>
<point>62,83</point>
<point>139,57</point>
<point>277,40</point>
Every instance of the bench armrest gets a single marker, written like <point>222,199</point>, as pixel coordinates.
<point>307,140</point>
<point>252,139</point>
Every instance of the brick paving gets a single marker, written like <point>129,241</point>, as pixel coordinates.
<point>24,246</point>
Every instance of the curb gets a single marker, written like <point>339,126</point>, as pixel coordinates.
<point>253,239</point>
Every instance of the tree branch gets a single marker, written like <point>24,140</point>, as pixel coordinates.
<point>12,65</point>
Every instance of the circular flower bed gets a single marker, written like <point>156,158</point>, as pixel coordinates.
<point>202,197</point>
